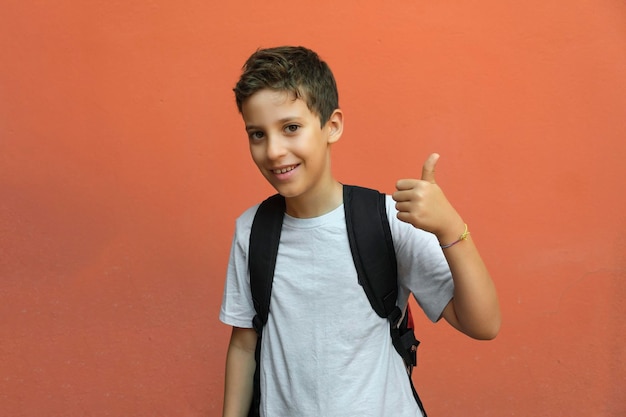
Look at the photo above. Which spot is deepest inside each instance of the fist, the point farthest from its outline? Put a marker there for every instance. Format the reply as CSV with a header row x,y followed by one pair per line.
x,y
421,202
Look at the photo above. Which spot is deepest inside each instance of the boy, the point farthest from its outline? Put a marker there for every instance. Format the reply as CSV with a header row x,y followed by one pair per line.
x,y
317,361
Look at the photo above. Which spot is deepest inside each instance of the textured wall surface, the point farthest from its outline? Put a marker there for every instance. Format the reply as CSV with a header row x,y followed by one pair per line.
x,y
124,163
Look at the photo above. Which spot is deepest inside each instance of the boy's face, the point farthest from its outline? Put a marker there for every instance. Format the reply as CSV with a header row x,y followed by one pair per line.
x,y
287,143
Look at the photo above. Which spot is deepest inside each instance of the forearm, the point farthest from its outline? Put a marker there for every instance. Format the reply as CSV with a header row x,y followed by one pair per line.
x,y
240,366
474,309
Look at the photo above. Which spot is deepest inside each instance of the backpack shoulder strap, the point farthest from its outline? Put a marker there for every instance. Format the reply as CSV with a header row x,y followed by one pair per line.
x,y
372,248
371,244
262,252
264,241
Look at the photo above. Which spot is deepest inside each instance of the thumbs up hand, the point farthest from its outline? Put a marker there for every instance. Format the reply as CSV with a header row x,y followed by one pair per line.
x,y
423,204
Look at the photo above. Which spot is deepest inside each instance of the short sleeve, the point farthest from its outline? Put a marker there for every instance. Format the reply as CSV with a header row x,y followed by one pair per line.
x,y
237,308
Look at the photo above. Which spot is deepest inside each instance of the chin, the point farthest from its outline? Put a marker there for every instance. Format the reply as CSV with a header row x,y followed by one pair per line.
x,y
287,192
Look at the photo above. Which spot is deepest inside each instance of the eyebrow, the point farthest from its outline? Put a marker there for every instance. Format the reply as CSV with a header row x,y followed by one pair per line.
x,y
280,122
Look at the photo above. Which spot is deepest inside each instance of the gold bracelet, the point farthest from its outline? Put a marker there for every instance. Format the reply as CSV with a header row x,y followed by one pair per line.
x,y
462,237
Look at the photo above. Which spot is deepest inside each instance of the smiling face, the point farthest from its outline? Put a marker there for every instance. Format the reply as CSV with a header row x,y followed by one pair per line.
x,y
291,149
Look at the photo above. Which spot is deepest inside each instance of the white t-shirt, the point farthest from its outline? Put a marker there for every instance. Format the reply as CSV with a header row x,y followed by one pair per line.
x,y
325,352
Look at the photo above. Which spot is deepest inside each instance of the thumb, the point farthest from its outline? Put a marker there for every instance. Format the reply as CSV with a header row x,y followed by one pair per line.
x,y
428,171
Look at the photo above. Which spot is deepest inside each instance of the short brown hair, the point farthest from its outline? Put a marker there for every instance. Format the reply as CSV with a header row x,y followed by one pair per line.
x,y
295,69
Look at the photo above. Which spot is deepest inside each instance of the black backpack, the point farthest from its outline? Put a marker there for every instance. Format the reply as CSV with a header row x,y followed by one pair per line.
x,y
374,258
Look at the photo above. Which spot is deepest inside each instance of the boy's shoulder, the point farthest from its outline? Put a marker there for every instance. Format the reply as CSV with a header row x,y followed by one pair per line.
x,y
248,214
243,223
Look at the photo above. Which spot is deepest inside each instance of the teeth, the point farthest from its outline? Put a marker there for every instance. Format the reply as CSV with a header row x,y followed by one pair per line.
x,y
283,170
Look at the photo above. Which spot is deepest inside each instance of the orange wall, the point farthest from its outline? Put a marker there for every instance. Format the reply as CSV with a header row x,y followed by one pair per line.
x,y
123,164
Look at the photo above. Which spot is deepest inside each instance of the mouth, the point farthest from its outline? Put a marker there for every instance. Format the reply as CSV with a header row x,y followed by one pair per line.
x,y
284,170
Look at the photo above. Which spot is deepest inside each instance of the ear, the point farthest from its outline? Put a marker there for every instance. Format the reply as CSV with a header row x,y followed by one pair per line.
x,y
335,126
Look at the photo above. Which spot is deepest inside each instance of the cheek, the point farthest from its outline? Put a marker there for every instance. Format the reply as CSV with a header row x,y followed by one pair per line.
x,y
256,153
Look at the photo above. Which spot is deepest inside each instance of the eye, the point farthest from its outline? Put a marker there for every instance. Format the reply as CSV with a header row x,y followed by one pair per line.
x,y
292,128
255,135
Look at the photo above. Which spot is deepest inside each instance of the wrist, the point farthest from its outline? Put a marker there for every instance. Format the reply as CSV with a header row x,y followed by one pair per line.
x,y
454,235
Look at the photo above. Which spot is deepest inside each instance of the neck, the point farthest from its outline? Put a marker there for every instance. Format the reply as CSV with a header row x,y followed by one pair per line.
x,y
317,202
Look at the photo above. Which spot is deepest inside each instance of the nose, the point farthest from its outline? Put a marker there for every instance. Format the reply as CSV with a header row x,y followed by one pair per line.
x,y
275,147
